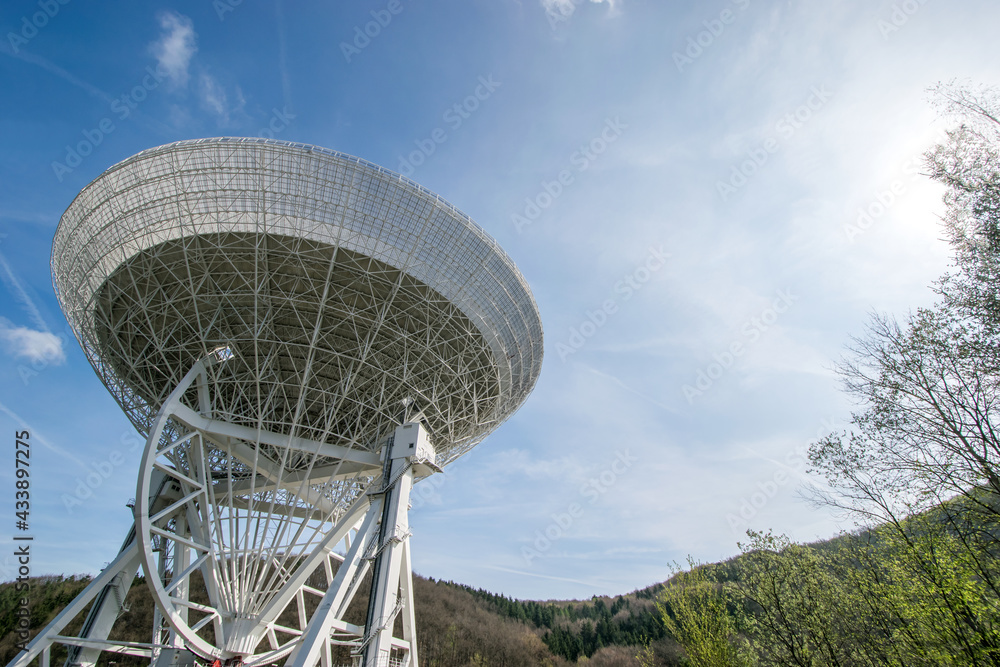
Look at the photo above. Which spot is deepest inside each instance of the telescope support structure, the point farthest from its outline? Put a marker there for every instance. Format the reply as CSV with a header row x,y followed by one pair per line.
x,y
183,520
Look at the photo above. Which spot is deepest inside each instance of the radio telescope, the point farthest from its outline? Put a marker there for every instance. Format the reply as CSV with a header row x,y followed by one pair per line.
x,y
301,335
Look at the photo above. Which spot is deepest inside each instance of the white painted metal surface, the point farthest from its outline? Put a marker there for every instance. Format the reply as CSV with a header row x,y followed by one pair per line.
x,y
301,336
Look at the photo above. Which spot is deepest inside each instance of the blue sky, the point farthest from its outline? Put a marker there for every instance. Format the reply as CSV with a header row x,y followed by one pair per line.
x,y
680,183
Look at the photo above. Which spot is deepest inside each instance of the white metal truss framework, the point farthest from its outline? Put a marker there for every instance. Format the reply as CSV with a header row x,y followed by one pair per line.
x,y
263,311
340,287
249,545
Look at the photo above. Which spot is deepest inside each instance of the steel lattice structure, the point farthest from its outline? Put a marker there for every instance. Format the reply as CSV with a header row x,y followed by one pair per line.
x,y
279,238
278,319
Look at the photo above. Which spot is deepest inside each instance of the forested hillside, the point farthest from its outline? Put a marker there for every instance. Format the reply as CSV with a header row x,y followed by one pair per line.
x,y
575,629
457,625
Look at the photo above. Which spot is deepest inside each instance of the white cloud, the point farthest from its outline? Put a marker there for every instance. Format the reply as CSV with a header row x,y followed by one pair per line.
x,y
215,99
176,46
213,95
174,52
9,279
36,346
521,463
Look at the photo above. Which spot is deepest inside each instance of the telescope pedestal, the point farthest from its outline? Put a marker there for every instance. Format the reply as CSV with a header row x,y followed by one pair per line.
x,y
196,520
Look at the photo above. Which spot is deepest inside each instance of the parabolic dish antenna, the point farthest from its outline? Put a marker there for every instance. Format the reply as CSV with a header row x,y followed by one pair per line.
x,y
300,335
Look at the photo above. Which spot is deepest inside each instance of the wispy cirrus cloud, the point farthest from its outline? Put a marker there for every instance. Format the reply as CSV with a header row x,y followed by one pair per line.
x,y
215,99
176,47
174,52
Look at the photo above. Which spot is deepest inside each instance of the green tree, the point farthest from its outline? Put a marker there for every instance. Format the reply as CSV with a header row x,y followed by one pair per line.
x,y
920,466
696,612
815,606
